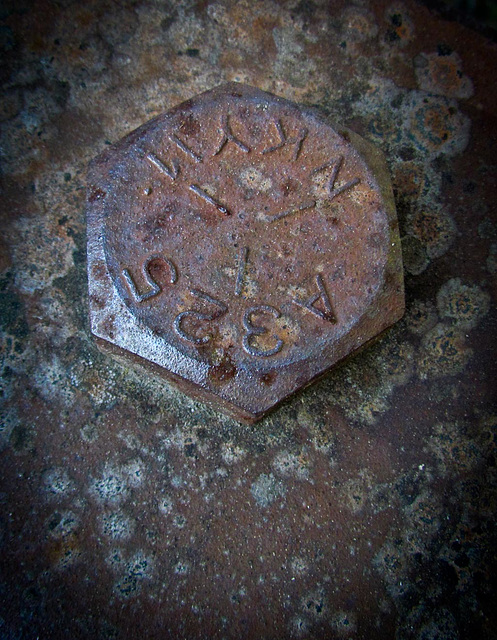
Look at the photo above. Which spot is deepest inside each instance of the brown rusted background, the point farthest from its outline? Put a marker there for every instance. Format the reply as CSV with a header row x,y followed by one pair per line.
x,y
363,508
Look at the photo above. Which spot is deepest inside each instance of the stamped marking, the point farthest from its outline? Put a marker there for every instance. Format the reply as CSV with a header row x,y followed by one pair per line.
x,y
208,298
155,288
242,265
254,330
308,204
182,145
336,166
172,173
297,140
199,315
205,196
229,136
328,313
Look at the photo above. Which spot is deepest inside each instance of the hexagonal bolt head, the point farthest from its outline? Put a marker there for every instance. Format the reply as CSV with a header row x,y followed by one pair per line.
x,y
241,245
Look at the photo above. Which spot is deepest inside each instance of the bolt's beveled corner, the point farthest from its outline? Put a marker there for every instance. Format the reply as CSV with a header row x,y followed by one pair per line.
x,y
241,246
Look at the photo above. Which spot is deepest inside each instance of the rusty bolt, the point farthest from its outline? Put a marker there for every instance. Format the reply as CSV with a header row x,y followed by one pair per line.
x,y
242,245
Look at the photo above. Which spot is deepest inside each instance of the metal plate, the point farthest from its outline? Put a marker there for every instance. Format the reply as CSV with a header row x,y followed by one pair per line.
x,y
243,245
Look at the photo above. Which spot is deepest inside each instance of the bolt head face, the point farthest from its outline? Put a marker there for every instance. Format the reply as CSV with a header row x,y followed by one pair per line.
x,y
242,246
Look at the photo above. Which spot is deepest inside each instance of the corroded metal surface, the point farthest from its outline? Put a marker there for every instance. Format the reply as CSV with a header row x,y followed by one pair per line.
x,y
242,245
363,507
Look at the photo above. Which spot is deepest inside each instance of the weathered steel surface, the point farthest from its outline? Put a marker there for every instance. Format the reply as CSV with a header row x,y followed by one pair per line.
x,y
243,245
364,507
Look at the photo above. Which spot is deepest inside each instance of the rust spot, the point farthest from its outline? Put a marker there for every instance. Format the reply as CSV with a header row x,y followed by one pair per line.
x,y
189,126
269,378
223,372
160,271
96,194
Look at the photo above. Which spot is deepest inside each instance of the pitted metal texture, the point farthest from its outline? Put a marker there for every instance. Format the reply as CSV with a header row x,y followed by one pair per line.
x,y
244,245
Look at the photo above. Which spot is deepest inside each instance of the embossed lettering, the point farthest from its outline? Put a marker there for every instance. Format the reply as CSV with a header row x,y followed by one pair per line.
x,y
182,145
308,204
309,303
170,172
297,140
199,315
155,288
205,196
254,330
336,166
229,136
